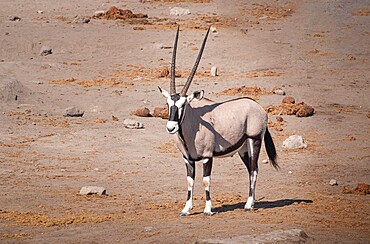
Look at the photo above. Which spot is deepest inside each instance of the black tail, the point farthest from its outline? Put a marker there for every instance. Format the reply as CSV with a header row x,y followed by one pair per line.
x,y
270,149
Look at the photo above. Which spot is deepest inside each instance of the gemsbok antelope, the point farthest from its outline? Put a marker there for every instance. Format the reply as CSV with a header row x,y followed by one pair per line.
x,y
205,129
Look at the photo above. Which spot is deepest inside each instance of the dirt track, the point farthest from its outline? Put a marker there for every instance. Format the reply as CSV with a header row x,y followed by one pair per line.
x,y
317,51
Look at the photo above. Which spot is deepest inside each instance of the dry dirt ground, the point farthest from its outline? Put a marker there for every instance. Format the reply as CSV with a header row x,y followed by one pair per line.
x,y
317,51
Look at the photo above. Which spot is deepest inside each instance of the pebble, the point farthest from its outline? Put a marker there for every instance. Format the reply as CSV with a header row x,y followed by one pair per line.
x,y
294,141
214,71
132,124
14,18
288,100
45,50
333,182
280,92
177,11
99,13
265,161
89,190
73,112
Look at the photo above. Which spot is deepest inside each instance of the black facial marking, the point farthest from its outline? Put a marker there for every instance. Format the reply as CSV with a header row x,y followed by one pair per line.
x,y
174,113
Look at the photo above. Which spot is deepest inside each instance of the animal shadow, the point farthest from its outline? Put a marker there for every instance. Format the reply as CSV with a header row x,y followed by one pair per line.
x,y
261,204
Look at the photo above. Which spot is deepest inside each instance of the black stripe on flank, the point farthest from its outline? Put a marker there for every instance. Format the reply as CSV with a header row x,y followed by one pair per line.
x,y
232,148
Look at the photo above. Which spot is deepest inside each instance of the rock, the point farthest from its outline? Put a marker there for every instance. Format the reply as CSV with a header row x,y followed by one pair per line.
x,y
278,91
132,124
45,50
279,119
142,112
265,161
99,13
82,20
14,18
294,141
214,71
177,11
90,190
73,112
115,13
160,112
288,100
213,29
278,236
114,118
333,182
12,90
40,11
305,111
164,72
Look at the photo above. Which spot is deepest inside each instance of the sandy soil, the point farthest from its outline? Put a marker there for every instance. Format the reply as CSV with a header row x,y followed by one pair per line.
x,y
317,51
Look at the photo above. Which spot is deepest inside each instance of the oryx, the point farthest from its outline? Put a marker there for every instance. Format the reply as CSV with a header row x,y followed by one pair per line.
x,y
205,129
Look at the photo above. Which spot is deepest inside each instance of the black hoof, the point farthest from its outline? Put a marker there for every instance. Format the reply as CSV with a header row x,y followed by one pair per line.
x,y
184,214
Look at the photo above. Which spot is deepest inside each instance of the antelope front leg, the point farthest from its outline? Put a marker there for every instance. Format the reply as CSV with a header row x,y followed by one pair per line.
x,y
190,169
207,168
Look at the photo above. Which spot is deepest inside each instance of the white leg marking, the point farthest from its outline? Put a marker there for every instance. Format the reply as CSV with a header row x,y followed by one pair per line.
x,y
250,202
208,208
189,203
207,184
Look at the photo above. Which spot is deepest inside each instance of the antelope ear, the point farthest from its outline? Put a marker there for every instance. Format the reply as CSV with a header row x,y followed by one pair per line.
x,y
197,95
164,92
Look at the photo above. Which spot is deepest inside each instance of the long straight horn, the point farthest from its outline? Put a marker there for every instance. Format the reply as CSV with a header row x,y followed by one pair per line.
x,y
172,82
191,76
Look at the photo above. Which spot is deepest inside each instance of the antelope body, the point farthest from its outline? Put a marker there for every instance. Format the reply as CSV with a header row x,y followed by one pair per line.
x,y
207,129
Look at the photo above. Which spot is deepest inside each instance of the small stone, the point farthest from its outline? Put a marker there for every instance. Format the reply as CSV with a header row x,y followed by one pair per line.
x,y
213,29
90,190
279,119
279,91
288,100
305,111
40,11
85,20
14,18
265,161
73,112
214,71
177,11
294,141
164,72
142,112
99,13
114,118
333,182
132,124
46,51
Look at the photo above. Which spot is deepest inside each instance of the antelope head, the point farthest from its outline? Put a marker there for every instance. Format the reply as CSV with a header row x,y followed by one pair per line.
x,y
176,101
